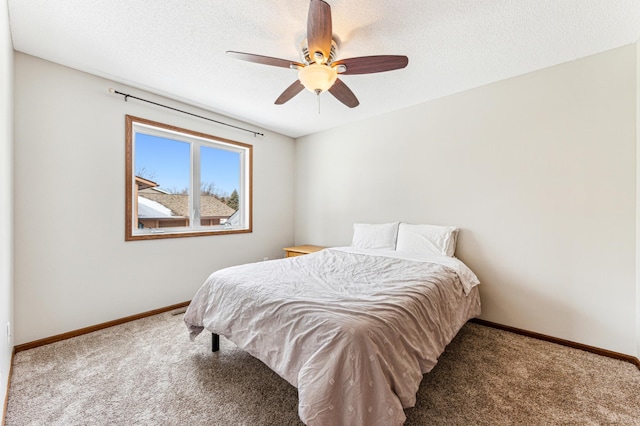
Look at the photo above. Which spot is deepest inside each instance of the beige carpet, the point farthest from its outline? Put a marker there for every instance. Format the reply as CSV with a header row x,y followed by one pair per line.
x,y
147,372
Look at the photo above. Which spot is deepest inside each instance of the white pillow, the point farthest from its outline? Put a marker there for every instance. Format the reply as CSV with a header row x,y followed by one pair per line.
x,y
427,239
375,236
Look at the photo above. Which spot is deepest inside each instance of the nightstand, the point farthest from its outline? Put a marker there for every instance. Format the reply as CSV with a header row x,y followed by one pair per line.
x,y
301,250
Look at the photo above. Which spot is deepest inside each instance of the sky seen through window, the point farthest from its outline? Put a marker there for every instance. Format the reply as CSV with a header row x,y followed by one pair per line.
x,y
166,162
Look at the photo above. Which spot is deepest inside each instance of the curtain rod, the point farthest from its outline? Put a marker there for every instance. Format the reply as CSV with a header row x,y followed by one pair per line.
x,y
126,96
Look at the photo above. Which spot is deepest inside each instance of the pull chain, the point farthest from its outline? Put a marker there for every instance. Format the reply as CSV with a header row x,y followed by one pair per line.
x,y
318,91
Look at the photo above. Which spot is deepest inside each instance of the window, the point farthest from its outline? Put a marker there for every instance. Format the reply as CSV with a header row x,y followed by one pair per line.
x,y
183,183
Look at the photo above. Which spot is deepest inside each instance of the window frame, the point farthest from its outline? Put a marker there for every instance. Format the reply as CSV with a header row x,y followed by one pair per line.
x,y
169,131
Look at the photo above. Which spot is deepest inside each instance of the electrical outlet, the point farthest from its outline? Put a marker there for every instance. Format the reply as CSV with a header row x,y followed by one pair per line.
x,y
9,333
265,259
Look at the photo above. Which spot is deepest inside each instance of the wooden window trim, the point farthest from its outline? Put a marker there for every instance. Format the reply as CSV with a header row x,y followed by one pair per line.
x,y
129,235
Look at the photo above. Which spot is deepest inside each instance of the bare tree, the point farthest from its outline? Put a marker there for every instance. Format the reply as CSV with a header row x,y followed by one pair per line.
x,y
144,173
209,188
206,188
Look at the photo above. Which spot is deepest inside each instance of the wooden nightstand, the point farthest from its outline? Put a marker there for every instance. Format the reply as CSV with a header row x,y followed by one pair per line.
x,y
301,250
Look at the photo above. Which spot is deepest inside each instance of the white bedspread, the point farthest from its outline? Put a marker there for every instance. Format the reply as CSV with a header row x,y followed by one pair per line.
x,y
354,330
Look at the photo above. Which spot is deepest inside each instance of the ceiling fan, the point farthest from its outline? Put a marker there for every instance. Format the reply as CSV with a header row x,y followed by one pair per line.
x,y
319,69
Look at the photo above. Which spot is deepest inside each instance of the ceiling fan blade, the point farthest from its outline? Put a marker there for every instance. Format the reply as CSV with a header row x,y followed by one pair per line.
x,y
344,94
319,31
290,92
372,64
265,60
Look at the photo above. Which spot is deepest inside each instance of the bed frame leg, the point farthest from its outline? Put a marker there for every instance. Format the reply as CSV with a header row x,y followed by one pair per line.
x,y
215,342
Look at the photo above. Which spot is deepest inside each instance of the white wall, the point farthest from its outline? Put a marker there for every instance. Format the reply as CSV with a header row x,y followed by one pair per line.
x,y
72,266
539,171
6,200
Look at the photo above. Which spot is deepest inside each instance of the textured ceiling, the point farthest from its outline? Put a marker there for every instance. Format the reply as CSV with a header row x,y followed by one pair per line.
x,y
176,47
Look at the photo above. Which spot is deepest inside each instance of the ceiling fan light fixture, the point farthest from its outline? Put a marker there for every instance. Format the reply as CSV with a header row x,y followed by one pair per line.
x,y
316,77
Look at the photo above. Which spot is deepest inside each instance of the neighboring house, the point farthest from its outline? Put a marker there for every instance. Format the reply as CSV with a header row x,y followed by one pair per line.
x,y
158,209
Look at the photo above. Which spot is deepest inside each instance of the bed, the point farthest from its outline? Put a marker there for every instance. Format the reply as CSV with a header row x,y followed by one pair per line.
x,y
353,329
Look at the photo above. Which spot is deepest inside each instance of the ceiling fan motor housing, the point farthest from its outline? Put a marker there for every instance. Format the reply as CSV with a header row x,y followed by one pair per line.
x,y
307,58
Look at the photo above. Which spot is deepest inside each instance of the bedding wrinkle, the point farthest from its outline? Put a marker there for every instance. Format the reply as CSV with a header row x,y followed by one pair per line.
x,y
353,329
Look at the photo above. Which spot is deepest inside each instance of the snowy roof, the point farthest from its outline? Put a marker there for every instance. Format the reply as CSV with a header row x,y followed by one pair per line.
x,y
152,209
